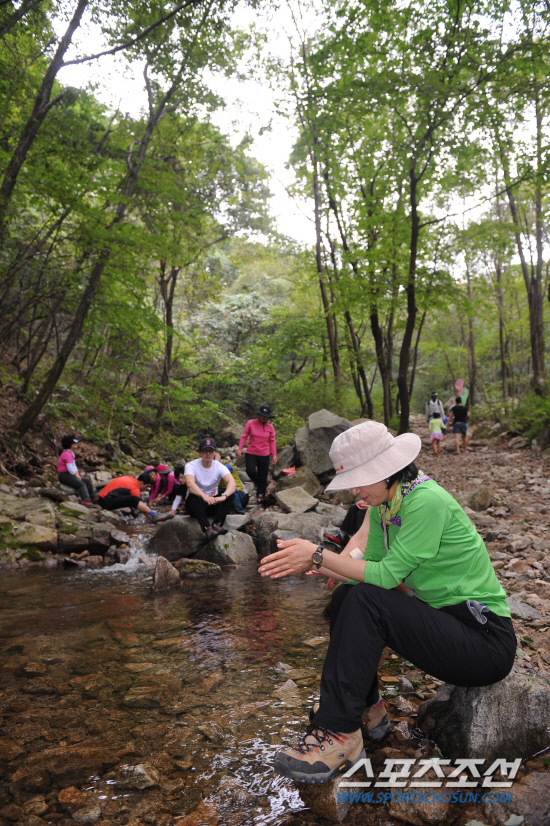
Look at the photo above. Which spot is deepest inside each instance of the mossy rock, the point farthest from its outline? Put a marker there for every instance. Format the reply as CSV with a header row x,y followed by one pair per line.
x,y
68,526
33,555
197,569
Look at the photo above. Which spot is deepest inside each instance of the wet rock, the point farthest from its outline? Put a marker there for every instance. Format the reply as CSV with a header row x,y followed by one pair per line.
x,y
213,732
165,575
237,521
71,798
122,556
480,499
325,799
303,478
314,441
530,799
205,814
118,537
35,806
180,537
9,750
142,776
87,815
12,812
25,535
469,720
65,763
93,561
197,569
285,459
231,548
521,610
295,500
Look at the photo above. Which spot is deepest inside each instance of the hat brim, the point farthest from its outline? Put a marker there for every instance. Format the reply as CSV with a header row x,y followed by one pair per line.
x,y
265,415
404,450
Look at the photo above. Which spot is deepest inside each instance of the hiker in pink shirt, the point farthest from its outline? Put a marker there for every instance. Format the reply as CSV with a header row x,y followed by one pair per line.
x,y
260,435
163,485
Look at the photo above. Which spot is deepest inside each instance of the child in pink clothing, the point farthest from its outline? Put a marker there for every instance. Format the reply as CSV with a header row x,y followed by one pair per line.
x,y
260,435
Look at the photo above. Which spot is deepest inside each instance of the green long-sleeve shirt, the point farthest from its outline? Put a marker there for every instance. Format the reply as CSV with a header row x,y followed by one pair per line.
x,y
436,551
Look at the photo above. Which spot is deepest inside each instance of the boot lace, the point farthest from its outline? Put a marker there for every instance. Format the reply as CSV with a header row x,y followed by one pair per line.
x,y
320,735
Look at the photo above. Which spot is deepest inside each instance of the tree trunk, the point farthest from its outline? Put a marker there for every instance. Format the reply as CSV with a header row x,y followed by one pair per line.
x,y
42,106
33,411
167,288
330,318
404,355
472,363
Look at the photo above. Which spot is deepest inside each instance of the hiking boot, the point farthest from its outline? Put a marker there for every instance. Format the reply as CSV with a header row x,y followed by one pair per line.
x,y
375,722
320,755
220,530
210,533
88,504
339,538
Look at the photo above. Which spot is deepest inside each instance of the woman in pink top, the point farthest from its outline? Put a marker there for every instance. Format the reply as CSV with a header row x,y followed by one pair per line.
x,y
68,474
260,434
163,485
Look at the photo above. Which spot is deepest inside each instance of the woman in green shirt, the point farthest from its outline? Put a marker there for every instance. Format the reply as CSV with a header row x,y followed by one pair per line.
x,y
420,544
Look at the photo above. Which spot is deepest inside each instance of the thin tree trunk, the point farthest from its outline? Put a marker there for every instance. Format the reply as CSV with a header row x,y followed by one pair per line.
x,y
472,362
42,106
404,355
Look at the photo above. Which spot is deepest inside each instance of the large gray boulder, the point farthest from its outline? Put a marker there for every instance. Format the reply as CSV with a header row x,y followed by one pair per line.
x,y
303,478
37,511
295,500
229,549
285,459
26,535
181,536
237,521
336,513
508,719
308,526
314,441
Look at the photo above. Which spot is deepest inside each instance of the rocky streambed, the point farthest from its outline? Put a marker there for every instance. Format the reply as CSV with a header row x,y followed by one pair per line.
x,y
121,705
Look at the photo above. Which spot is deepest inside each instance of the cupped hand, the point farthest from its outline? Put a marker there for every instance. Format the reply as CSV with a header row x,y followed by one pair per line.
x,y
293,557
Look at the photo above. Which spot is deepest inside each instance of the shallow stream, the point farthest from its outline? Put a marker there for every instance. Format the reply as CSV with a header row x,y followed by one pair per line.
x,y
100,675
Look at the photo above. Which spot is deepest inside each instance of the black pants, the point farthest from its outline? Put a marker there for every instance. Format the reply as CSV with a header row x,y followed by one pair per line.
x,y
83,487
257,468
353,520
365,618
197,507
119,498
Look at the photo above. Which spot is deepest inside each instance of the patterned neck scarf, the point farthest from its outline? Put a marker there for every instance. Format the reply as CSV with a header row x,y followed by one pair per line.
x,y
388,512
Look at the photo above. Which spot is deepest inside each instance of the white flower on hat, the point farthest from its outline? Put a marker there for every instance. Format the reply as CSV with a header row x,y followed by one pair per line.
x,y
368,453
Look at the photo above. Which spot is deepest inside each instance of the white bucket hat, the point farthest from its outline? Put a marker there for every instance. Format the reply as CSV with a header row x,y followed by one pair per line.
x,y
368,453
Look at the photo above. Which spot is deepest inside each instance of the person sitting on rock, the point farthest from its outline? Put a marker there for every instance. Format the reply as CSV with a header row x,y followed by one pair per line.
x,y
457,629
241,494
125,492
202,477
260,435
180,488
67,473
163,486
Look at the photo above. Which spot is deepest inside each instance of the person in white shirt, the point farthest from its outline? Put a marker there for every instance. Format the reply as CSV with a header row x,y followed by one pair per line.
x,y
434,405
202,477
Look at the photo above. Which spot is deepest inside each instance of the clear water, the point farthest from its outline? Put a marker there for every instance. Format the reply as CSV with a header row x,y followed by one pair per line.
x,y
100,673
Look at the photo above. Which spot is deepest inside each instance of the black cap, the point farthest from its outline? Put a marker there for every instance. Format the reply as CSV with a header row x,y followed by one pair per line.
x,y
264,410
434,393
207,443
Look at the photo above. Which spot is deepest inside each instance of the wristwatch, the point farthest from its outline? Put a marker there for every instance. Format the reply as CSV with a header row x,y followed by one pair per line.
x,y
317,557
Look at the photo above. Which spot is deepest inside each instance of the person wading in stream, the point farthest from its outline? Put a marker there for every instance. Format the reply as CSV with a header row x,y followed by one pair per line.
x,y
260,435
420,544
